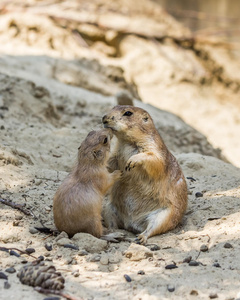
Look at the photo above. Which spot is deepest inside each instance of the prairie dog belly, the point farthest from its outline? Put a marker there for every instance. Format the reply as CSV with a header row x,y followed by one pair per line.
x,y
135,199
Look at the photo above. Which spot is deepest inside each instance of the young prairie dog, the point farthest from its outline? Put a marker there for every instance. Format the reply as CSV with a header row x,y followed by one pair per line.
x,y
77,204
151,196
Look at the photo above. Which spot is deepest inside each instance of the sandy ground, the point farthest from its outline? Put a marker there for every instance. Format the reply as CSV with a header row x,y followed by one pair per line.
x,y
58,76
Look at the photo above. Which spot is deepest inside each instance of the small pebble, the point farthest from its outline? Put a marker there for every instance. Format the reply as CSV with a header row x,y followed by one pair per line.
x,y
171,266
95,258
41,257
104,260
10,270
12,252
76,273
2,127
33,230
82,253
74,262
71,246
63,241
127,278
30,250
216,264
52,298
193,263
187,259
227,245
18,217
171,288
204,248
150,259
114,259
24,261
154,248
40,92
48,246
194,293
69,260
38,181
47,208
16,223
213,295
141,272
49,259
3,276
112,268
7,285
198,195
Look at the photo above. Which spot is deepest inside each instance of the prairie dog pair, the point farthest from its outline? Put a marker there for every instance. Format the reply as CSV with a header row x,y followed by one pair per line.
x,y
150,197
77,204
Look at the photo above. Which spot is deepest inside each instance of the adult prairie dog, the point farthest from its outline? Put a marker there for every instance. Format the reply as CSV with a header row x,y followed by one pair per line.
x,y
77,204
150,198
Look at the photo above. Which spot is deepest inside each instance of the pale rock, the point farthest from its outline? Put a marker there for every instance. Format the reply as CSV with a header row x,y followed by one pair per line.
x,y
114,259
104,260
33,230
89,243
64,241
95,258
63,234
10,238
112,268
138,252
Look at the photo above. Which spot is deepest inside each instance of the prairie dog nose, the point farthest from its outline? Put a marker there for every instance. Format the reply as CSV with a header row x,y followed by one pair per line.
x,y
104,119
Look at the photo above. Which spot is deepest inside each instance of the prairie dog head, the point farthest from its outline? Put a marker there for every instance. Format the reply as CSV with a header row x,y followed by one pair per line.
x,y
96,147
128,121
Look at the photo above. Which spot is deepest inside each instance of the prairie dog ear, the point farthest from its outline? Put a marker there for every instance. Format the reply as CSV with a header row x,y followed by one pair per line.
x,y
145,117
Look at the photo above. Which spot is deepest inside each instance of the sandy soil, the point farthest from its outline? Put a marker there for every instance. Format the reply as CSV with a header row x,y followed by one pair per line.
x,y
58,76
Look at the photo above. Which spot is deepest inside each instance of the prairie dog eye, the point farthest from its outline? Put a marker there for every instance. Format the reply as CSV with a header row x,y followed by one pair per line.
x,y
128,113
105,140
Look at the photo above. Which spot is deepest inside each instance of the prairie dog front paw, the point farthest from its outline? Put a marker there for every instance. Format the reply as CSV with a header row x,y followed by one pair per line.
x,y
133,161
116,174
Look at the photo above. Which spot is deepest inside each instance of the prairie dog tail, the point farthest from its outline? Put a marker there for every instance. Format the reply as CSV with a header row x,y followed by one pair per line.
x,y
159,221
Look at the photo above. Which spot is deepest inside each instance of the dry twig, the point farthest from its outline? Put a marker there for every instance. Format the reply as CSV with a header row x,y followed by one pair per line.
x,y
21,251
16,206
56,292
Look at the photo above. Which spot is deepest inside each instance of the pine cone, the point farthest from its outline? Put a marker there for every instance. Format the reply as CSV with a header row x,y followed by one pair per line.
x,y
41,275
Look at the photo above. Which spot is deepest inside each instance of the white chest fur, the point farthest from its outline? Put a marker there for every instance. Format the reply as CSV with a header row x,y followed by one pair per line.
x,y
125,152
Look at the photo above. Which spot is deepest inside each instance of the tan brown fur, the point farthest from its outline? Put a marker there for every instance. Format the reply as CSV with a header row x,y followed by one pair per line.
x,y
77,204
151,196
